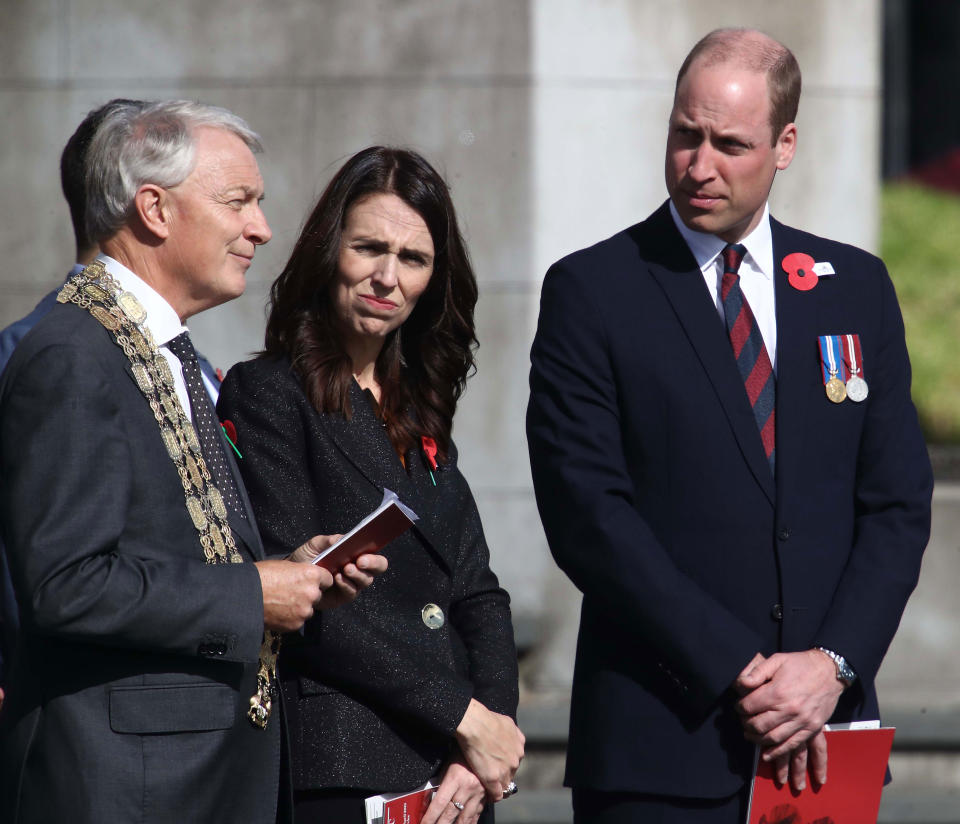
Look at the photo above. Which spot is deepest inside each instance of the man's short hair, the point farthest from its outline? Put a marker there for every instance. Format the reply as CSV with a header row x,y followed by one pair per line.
x,y
150,144
754,51
73,167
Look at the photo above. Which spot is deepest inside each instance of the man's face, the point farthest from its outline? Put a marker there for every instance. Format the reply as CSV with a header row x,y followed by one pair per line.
x,y
215,223
720,162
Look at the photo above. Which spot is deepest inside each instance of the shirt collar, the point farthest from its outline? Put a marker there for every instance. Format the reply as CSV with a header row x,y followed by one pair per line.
x,y
706,247
162,321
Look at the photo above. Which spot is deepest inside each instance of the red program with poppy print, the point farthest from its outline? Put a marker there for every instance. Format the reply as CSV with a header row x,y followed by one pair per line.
x,y
856,767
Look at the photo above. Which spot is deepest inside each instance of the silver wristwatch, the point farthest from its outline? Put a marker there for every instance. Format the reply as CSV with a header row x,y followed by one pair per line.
x,y
845,672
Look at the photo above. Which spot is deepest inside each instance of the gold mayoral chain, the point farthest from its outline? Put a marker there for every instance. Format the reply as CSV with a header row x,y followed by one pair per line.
x,y
122,315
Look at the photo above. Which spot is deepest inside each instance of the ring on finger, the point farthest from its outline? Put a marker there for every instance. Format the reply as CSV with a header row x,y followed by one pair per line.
x,y
511,789
458,804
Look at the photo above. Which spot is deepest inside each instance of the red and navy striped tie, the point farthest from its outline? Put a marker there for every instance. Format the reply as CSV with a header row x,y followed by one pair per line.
x,y
749,350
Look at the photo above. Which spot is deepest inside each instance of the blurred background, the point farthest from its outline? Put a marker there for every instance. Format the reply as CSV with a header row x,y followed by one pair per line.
x,y
548,119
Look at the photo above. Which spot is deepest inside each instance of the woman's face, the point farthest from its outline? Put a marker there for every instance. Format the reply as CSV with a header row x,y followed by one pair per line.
x,y
386,259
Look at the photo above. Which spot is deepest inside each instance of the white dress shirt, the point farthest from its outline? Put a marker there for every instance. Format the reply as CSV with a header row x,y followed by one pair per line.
x,y
162,321
756,273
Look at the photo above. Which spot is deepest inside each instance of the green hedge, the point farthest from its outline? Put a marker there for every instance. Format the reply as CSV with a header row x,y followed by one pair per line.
x,y
920,243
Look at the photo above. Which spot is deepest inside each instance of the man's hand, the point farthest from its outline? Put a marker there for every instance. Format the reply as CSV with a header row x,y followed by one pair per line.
x,y
794,765
461,785
291,592
492,746
787,698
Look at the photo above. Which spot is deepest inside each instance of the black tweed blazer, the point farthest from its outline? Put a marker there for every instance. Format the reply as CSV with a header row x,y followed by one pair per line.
x,y
373,695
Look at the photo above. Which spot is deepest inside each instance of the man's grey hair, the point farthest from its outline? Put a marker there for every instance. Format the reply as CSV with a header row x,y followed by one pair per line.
x,y
147,143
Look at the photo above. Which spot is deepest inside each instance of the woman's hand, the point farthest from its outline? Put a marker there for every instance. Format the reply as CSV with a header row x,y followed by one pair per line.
x,y
460,785
347,582
492,747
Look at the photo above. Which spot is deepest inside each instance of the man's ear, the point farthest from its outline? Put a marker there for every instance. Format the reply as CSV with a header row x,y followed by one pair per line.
x,y
786,145
151,204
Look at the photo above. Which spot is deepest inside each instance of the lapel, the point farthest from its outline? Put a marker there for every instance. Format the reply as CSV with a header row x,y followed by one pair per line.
x,y
673,266
797,322
363,441
243,530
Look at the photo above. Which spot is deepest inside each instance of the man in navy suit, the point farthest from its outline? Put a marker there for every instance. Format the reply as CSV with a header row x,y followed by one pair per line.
x,y
743,505
72,181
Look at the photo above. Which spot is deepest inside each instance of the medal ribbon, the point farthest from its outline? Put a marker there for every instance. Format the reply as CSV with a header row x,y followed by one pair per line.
x,y
853,354
830,360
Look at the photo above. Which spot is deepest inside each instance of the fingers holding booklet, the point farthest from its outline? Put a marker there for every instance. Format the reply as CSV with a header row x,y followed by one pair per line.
x,y
346,564
293,589
388,521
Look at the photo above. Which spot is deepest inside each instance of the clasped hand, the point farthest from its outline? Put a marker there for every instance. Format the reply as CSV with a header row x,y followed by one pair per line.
x,y
785,701
294,589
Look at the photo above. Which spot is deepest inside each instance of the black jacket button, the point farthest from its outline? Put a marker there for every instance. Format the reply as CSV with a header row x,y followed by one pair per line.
x,y
776,612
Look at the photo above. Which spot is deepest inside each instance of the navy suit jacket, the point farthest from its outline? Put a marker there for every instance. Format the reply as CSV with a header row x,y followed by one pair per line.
x,y
10,337
658,502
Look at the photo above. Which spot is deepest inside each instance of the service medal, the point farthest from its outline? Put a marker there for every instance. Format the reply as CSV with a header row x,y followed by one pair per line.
x,y
836,390
857,389
833,369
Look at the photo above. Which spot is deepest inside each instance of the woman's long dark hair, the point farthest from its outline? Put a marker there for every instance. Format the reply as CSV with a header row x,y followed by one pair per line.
x,y
422,370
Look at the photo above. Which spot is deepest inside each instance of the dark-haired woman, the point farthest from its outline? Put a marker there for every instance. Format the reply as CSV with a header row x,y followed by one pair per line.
x,y
368,345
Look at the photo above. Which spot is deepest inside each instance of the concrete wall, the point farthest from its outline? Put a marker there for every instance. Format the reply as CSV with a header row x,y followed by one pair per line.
x,y
547,116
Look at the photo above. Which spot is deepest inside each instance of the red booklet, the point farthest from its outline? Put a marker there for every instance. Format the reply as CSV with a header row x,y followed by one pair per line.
x,y
388,521
400,808
856,767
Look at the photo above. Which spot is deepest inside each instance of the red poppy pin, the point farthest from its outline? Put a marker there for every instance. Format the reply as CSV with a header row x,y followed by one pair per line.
x,y
430,451
800,270
231,432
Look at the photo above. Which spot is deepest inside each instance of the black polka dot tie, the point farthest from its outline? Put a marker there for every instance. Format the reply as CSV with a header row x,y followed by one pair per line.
x,y
206,423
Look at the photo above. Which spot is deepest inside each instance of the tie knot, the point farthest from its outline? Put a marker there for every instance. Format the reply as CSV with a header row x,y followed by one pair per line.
x,y
182,347
732,257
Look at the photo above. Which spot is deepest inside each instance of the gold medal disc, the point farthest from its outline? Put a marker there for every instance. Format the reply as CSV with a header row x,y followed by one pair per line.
x,y
836,390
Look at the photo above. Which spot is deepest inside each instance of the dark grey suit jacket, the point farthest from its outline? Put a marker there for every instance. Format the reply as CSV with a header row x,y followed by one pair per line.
x,y
128,700
373,695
